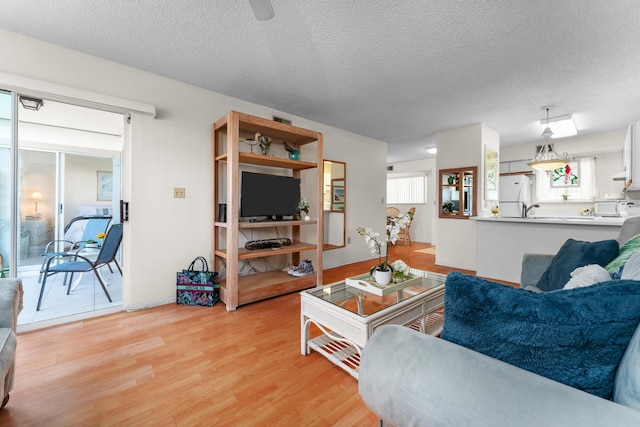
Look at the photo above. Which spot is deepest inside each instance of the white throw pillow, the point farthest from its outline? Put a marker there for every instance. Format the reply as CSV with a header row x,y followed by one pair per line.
x,y
587,276
632,267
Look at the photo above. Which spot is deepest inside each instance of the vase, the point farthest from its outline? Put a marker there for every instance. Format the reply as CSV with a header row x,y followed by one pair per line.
x,y
265,147
294,154
382,277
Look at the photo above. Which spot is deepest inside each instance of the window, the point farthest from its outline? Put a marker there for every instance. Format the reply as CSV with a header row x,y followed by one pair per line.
x,y
407,189
576,182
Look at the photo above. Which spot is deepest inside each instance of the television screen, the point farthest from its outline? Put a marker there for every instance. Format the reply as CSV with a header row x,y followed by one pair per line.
x,y
268,195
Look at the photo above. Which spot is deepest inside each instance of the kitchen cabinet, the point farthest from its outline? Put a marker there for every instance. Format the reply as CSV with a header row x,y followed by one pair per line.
x,y
631,158
515,167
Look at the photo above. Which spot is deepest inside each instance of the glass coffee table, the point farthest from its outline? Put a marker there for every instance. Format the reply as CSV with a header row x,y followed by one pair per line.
x,y
347,315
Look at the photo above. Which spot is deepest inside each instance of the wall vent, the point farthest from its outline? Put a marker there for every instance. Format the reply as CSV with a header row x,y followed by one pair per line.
x,y
281,120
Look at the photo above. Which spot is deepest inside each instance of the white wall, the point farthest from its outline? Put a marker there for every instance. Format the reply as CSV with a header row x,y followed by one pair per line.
x,y
173,150
81,185
455,239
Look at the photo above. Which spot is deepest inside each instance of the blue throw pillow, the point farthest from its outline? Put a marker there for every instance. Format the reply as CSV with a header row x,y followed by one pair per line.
x,y
574,254
576,337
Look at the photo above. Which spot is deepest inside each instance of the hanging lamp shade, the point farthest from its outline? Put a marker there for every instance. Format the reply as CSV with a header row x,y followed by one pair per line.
x,y
547,159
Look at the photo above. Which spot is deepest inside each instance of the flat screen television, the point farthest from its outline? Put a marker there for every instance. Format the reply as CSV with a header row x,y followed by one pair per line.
x,y
268,195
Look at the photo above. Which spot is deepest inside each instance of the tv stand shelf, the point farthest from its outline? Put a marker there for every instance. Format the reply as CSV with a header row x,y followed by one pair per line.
x,y
229,156
266,224
244,254
256,287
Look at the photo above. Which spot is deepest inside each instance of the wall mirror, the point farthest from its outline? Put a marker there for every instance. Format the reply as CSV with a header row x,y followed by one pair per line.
x,y
458,192
335,204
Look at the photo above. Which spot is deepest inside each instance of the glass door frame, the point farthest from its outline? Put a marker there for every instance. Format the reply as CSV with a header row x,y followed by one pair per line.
x,y
13,182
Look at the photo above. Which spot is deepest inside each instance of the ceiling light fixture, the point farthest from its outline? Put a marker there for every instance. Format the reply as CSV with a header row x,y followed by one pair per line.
x,y
547,159
562,126
31,103
262,9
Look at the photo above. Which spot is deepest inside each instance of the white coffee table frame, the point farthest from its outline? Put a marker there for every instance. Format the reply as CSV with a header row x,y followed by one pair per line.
x,y
344,333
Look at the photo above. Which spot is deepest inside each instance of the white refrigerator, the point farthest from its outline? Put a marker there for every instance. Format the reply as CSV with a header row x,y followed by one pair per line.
x,y
514,193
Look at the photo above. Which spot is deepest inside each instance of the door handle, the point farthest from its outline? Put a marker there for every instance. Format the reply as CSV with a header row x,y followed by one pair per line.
x,y
124,211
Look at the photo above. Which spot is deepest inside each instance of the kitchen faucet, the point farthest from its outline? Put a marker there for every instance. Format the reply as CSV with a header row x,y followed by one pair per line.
x,y
525,209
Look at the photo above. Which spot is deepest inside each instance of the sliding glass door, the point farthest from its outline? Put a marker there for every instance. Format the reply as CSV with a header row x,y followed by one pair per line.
x,y
6,193
59,169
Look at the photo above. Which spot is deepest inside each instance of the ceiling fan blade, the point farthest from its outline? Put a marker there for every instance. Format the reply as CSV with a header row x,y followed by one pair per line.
x,y
262,9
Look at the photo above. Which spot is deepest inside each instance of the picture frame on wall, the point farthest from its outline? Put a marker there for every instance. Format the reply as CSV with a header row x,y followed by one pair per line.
x,y
491,174
337,195
105,185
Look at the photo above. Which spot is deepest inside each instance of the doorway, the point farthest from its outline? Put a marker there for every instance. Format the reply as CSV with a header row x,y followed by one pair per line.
x,y
66,166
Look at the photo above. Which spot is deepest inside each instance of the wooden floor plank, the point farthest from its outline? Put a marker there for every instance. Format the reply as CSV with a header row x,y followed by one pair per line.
x,y
189,366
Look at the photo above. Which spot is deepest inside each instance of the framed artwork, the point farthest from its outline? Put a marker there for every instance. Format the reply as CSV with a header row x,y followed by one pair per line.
x,y
105,185
567,176
490,174
337,195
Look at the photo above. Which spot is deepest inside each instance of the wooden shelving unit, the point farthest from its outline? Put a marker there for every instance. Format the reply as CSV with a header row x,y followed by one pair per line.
x,y
228,160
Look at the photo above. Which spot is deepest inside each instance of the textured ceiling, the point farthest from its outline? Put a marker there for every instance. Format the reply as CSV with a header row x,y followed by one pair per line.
x,y
397,71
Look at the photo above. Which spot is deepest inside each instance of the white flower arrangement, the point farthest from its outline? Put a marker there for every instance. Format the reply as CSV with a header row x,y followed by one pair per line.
x,y
371,239
400,268
303,205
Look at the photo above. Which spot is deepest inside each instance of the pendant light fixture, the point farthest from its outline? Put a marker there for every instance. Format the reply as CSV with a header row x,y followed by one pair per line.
x,y
547,159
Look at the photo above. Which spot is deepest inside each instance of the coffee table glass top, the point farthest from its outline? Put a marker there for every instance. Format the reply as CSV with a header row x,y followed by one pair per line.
x,y
364,303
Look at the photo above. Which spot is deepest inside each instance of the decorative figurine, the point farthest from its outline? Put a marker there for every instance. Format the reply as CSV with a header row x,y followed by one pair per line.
x,y
294,153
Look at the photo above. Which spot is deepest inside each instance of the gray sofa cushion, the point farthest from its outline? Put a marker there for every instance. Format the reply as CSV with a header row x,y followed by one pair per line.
x,y
576,337
412,379
8,345
627,386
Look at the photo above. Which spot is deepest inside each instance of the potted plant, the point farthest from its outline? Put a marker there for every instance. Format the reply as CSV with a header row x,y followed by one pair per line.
x,y
382,271
303,206
447,206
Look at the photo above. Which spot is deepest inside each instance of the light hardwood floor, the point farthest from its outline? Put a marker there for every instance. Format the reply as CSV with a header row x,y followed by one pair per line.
x,y
189,366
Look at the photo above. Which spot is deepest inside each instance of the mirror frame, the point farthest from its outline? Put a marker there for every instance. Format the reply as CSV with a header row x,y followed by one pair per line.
x,y
334,189
460,186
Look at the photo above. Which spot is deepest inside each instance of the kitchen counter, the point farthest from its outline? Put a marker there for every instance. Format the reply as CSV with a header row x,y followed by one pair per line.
x,y
540,219
502,242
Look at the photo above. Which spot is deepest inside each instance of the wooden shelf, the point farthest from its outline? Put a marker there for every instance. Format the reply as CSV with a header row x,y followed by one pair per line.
x,y
263,224
266,224
228,158
278,132
273,161
244,254
256,287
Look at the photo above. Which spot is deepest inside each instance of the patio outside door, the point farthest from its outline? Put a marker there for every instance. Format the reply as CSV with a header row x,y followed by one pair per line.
x,y
67,166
